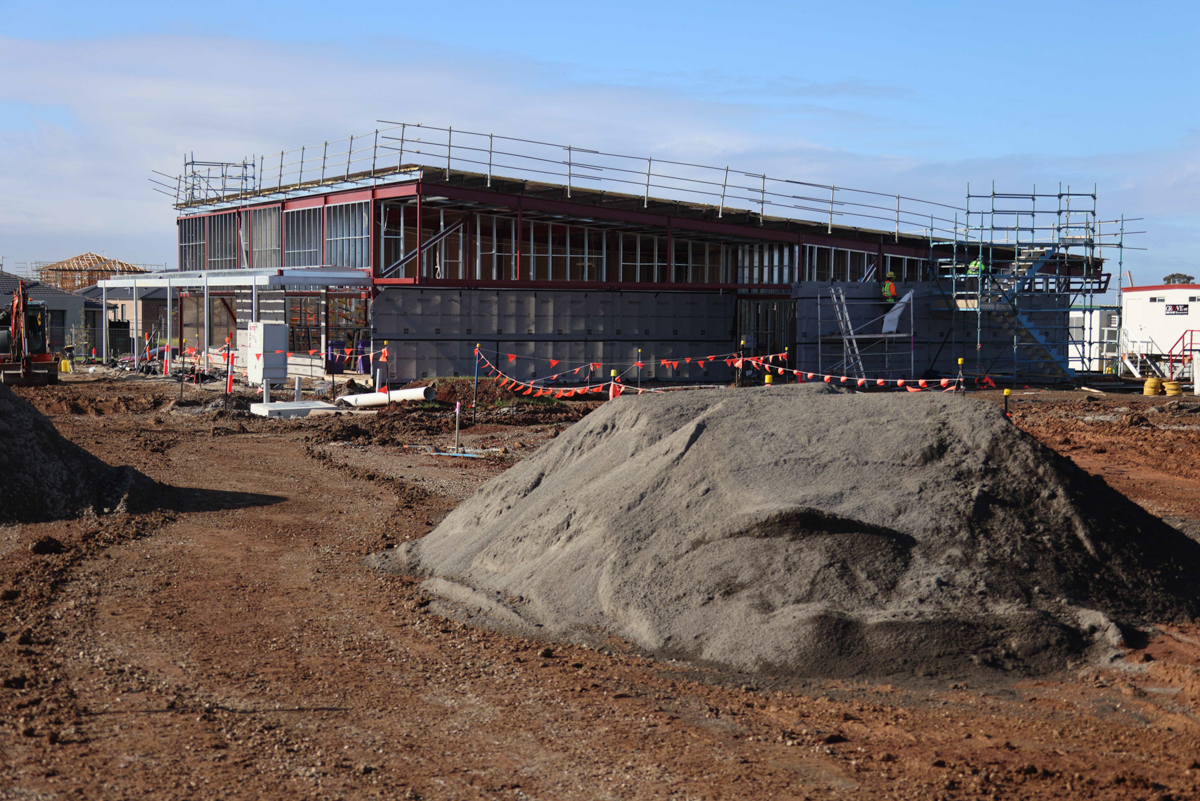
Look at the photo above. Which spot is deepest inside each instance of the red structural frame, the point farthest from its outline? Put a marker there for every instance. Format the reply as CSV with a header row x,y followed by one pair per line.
x,y
567,209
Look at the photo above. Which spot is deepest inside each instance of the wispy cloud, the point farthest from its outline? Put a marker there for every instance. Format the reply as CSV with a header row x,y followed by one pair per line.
x,y
82,125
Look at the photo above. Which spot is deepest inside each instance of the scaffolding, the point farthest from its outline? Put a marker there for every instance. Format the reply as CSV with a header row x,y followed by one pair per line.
x,y
1022,263
869,350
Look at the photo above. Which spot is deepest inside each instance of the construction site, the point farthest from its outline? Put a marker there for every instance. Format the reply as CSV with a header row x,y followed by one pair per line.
x,y
452,465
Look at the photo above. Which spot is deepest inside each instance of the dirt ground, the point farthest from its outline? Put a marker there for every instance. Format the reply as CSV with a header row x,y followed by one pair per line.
x,y
231,645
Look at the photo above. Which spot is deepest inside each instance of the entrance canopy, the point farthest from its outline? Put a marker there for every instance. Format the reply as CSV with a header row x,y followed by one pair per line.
x,y
274,279
301,278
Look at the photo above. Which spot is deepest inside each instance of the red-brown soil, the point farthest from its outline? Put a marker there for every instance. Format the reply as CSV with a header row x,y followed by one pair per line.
x,y
231,645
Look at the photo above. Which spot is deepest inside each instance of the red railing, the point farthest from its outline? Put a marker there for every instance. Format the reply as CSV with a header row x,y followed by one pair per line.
x,y
1184,349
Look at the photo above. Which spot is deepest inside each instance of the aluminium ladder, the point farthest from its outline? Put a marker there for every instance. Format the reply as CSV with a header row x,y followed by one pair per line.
x,y
852,358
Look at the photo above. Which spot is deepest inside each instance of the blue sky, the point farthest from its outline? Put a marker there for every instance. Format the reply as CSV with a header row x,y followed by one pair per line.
x,y
919,98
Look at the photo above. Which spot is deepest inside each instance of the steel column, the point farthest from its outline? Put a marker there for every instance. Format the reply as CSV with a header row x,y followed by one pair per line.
x,y
136,338
104,323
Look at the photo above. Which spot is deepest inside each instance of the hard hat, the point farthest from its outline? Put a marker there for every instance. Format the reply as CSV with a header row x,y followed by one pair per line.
x,y
891,275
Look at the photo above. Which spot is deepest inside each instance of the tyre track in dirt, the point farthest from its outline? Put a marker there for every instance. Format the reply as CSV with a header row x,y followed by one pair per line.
x,y
244,653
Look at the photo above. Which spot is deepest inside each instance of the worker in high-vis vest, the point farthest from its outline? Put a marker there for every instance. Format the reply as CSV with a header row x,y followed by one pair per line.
x,y
975,268
889,289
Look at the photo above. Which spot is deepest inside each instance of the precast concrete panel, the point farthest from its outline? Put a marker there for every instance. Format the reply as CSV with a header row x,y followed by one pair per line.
x,y
446,355
577,311
485,313
450,322
599,311
543,315
631,316
404,366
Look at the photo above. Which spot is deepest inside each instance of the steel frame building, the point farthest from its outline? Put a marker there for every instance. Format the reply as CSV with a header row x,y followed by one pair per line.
x,y
552,252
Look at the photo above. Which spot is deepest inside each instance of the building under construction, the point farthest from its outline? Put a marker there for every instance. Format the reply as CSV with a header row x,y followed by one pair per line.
x,y
434,240
85,270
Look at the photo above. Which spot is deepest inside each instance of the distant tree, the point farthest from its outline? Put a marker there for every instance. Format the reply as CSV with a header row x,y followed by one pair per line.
x,y
1179,278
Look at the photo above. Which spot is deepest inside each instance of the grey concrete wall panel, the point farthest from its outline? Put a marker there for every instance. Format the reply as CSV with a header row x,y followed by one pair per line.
x,y
681,324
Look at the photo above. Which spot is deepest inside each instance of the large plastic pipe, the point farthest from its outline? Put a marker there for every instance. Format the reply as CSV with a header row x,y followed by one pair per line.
x,y
383,398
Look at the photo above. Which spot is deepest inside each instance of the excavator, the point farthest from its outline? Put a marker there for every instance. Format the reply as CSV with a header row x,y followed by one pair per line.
x,y
25,357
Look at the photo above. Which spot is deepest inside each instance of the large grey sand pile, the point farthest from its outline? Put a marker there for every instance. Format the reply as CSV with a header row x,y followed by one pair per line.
x,y
809,532
46,477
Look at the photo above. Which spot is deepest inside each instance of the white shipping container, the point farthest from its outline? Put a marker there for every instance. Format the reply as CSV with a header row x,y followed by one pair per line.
x,y
1155,317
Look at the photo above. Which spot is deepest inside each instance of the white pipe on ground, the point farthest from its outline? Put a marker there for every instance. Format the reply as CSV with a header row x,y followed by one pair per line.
x,y
382,398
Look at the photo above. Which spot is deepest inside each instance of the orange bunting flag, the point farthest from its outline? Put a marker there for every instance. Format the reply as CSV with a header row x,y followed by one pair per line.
x,y
558,394
639,365
570,393
900,382
844,379
576,370
880,382
279,351
945,382
512,357
553,362
729,362
712,358
688,360
828,378
289,354
311,352
780,369
528,391
664,362
674,365
553,377
922,383
810,376
738,363
862,382
596,365
913,389
540,393
347,350
598,389
258,355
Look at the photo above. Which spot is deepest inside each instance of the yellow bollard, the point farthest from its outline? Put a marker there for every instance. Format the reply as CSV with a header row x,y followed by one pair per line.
x,y
768,379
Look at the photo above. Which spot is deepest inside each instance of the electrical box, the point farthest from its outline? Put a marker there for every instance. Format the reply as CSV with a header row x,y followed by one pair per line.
x,y
267,359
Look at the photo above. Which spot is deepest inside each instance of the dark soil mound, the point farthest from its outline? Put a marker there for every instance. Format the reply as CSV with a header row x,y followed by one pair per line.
x,y
805,531
45,477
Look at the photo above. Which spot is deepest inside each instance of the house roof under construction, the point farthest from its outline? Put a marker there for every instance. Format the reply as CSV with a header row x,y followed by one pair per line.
x,y
84,270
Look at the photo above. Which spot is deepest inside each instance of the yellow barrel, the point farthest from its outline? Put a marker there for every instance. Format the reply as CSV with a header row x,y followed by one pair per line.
x,y
1153,386
1172,387
767,379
